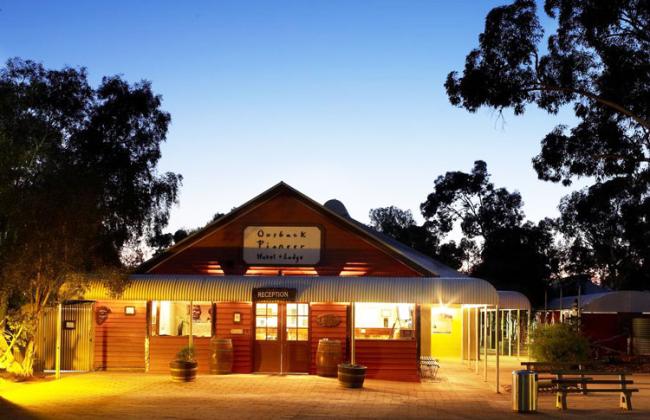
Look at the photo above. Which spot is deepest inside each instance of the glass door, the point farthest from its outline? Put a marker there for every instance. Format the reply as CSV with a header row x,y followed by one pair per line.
x,y
268,346
296,346
282,337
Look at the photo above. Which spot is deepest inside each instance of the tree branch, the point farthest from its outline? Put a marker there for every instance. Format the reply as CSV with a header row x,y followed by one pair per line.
x,y
616,107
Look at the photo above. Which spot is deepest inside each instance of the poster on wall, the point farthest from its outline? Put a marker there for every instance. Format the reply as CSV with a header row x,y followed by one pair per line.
x,y
282,245
441,323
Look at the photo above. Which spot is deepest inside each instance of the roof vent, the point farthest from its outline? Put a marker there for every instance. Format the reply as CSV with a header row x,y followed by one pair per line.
x,y
337,207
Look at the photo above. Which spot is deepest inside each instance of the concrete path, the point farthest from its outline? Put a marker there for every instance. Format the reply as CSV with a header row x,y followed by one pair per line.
x,y
458,393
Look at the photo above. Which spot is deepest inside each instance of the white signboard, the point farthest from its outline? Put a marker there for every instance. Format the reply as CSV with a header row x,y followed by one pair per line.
x,y
282,245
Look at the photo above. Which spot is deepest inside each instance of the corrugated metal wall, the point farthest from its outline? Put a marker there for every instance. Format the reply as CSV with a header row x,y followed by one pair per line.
x,y
76,342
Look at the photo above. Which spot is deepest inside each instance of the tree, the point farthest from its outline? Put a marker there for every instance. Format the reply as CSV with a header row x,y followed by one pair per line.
x,y
596,60
78,182
499,247
522,258
400,225
160,241
472,200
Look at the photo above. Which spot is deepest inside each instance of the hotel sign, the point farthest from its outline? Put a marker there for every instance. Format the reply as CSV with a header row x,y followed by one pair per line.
x,y
274,294
282,245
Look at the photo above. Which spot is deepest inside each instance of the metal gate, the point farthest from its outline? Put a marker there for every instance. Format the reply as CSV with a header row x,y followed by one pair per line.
x,y
76,337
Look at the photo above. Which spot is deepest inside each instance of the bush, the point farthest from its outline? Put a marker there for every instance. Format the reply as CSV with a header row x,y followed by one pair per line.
x,y
186,354
559,343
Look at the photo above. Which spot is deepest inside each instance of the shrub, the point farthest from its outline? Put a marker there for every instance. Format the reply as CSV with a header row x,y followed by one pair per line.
x,y
186,354
559,343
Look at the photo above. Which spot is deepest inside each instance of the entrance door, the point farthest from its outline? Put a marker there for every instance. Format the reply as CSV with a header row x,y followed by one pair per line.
x,y
282,337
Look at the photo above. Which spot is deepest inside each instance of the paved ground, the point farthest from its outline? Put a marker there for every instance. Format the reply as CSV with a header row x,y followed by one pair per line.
x,y
459,393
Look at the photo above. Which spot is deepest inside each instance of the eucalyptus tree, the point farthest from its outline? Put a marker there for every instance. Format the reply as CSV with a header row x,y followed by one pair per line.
x,y
78,182
597,60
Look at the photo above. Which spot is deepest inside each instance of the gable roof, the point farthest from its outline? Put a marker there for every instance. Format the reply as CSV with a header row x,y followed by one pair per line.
x,y
421,263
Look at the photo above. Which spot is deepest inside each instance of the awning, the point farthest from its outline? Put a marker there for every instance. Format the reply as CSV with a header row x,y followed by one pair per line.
x,y
448,291
509,299
613,302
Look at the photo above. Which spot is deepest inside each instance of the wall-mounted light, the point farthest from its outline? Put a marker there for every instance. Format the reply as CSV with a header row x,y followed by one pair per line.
x,y
129,310
69,325
236,317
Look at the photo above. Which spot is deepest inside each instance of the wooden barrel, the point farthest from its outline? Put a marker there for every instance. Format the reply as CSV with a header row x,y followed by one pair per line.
x,y
183,371
328,356
221,356
351,376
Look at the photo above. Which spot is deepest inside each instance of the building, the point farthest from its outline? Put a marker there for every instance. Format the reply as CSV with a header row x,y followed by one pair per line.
x,y
276,275
608,319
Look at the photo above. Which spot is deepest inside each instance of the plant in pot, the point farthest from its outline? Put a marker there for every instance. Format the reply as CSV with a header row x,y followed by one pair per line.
x,y
183,369
351,375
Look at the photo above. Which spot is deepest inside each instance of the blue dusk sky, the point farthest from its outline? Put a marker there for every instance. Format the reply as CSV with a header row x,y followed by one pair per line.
x,y
340,99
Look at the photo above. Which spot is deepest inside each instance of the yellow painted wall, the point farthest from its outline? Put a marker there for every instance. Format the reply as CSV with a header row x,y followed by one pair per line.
x,y
448,345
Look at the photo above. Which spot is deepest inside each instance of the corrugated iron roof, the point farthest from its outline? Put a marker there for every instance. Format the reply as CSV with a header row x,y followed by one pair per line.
x,y
465,290
616,301
509,299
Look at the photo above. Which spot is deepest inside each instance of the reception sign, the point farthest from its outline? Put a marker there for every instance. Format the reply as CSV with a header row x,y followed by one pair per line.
x,y
282,245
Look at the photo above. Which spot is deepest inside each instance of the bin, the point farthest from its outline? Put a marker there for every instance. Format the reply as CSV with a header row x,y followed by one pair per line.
x,y
524,391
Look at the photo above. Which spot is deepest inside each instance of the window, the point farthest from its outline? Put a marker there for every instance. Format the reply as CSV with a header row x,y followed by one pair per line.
x,y
384,321
171,318
297,321
266,321
442,320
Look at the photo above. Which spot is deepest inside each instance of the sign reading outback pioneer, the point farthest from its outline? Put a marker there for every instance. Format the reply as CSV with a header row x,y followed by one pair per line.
x,y
282,245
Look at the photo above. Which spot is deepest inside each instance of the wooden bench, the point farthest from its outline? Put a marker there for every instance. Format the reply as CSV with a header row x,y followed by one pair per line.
x,y
575,381
546,382
429,367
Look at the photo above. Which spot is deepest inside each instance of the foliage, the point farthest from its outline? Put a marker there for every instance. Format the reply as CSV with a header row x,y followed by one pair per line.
x,y
558,343
400,225
497,245
78,182
186,354
472,200
522,258
160,241
596,60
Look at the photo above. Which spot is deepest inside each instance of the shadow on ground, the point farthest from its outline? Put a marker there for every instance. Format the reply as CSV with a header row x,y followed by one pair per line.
x,y
9,410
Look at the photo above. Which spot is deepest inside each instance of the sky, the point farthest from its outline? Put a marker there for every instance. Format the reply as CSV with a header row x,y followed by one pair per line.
x,y
339,99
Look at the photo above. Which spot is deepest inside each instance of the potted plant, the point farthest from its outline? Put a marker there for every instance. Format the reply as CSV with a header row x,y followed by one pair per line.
x,y
351,375
183,369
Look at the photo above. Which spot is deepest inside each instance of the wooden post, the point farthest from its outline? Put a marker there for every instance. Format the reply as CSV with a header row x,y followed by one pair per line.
x,y
469,338
497,347
147,337
477,336
485,343
353,356
191,339
518,333
59,321
462,332
509,332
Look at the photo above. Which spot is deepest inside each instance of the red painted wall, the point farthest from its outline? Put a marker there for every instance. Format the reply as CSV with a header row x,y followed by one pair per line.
x,y
119,341
163,349
223,247
242,343
389,359
333,333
